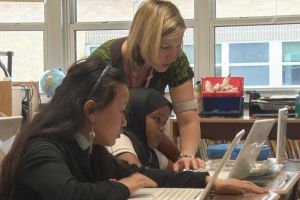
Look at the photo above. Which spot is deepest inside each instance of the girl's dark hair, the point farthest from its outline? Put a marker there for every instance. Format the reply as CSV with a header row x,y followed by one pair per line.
x,y
64,114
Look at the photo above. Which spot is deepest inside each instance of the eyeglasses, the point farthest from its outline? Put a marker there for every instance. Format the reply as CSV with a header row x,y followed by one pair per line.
x,y
99,80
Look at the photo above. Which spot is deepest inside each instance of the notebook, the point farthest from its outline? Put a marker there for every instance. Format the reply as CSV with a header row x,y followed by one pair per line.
x,y
186,193
245,162
281,135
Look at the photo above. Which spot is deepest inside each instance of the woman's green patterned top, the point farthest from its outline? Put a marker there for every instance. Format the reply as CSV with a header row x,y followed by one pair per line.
x,y
178,73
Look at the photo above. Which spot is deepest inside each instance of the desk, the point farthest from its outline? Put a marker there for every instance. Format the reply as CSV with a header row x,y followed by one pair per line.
x,y
294,166
268,196
284,184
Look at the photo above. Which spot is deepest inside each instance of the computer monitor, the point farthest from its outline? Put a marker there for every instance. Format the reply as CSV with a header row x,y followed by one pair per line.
x,y
253,144
281,135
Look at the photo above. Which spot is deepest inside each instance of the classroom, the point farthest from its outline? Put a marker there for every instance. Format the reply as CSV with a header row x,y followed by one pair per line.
x,y
207,69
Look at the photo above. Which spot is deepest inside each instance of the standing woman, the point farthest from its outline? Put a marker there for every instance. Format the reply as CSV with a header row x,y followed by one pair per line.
x,y
151,56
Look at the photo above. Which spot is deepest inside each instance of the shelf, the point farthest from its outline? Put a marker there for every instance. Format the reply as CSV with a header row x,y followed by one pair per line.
x,y
216,128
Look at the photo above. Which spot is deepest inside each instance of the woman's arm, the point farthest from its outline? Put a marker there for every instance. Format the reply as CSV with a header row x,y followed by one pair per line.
x,y
188,121
188,124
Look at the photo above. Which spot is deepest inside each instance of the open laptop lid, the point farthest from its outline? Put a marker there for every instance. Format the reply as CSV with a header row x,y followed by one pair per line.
x,y
225,158
252,146
281,135
9,126
145,193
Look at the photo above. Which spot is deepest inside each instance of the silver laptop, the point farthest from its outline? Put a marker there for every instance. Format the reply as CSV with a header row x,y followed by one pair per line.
x,y
186,193
9,126
281,135
246,159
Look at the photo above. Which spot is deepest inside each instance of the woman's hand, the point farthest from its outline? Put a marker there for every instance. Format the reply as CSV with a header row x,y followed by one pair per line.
x,y
188,163
136,181
235,186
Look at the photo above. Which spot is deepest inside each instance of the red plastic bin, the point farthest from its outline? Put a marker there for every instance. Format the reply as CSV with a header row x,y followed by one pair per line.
x,y
237,82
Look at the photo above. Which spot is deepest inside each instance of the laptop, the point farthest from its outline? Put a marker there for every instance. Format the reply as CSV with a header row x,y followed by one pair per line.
x,y
9,126
281,135
186,193
245,162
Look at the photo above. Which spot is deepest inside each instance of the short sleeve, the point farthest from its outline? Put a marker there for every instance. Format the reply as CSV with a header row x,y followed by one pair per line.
x,y
180,71
122,145
103,52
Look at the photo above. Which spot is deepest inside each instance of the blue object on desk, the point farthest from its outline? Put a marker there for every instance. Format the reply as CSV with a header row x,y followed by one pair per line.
x,y
217,151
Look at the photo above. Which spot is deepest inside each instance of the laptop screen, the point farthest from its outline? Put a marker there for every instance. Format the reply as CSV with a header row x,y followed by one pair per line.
x,y
253,144
281,134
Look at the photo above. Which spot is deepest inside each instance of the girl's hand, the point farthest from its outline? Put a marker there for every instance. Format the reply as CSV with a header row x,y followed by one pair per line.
x,y
235,186
136,181
188,163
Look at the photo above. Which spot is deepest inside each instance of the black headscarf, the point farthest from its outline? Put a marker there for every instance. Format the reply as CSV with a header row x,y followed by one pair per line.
x,y
142,101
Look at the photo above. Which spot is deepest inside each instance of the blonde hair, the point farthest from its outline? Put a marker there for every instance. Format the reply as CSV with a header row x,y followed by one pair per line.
x,y
154,20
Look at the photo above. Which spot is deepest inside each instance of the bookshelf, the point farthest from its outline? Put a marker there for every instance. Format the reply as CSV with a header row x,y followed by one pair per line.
x,y
225,128
222,130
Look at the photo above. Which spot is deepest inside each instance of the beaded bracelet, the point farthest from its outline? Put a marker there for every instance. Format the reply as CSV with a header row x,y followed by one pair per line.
x,y
183,155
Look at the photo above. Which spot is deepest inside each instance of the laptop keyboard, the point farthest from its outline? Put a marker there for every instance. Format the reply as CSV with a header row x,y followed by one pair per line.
x,y
176,193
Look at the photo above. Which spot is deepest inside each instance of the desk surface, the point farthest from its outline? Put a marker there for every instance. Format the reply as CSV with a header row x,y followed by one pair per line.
x,y
283,183
268,196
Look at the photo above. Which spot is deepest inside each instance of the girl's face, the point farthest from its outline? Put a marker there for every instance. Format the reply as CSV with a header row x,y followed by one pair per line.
x,y
169,50
110,121
155,125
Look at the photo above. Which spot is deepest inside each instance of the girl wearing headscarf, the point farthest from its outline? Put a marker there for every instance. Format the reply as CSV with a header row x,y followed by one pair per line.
x,y
147,113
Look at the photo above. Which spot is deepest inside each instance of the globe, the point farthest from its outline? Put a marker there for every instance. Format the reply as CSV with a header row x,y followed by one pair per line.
x,y
50,80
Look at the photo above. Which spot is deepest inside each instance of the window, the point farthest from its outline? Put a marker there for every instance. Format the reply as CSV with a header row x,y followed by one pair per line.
x,y
23,34
254,8
268,56
26,11
250,60
121,10
188,46
291,63
28,53
218,60
88,41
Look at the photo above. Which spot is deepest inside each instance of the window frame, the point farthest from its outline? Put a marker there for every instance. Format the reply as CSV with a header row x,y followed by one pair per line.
x,y
245,21
53,34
